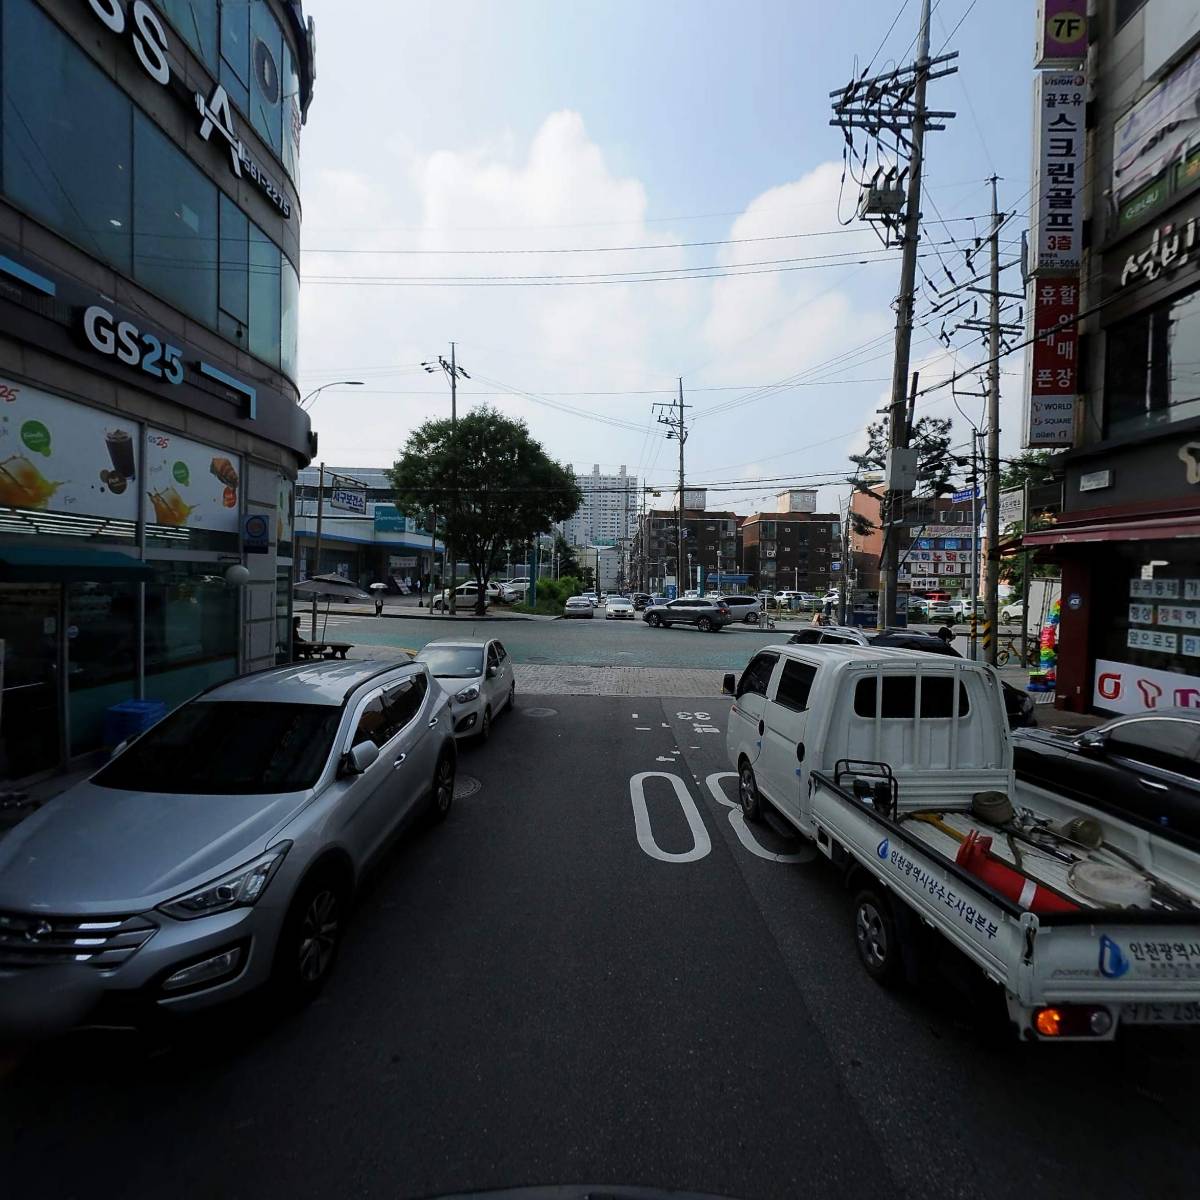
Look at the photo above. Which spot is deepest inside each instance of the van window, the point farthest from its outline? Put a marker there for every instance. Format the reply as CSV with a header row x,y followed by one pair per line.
x,y
795,682
757,675
900,693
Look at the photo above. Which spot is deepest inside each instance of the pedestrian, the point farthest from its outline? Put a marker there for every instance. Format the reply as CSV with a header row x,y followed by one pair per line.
x,y
946,634
378,603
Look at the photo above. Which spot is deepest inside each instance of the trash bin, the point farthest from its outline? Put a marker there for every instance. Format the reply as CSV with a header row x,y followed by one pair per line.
x,y
129,718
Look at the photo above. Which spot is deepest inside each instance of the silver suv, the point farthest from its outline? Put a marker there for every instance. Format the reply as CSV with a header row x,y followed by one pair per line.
x,y
705,614
221,849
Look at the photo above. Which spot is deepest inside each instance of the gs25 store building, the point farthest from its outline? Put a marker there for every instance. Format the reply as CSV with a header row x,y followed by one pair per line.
x,y
150,433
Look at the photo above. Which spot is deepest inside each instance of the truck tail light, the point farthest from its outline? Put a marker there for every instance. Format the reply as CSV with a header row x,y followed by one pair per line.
x,y
1072,1020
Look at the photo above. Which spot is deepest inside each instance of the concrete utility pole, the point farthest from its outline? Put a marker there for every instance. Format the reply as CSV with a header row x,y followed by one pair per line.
x,y
452,371
888,107
992,492
317,552
677,428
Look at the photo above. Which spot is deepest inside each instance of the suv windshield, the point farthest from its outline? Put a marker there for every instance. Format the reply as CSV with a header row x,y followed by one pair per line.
x,y
223,748
452,662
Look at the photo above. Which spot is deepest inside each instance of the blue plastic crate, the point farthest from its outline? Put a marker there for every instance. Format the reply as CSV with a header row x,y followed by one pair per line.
x,y
131,717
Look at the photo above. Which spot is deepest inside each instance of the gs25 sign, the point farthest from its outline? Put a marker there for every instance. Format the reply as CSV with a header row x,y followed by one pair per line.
x,y
136,348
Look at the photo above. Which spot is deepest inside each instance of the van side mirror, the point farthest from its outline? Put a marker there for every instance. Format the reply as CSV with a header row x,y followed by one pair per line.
x,y
359,758
729,684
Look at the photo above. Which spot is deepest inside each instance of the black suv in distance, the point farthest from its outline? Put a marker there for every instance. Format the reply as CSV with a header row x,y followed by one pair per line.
x,y
640,600
706,615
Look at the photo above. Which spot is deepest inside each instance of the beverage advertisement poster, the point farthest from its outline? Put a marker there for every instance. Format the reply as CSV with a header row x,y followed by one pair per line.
x,y
190,484
63,457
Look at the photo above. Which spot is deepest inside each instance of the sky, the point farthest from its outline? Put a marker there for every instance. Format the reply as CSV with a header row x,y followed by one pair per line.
x,y
455,148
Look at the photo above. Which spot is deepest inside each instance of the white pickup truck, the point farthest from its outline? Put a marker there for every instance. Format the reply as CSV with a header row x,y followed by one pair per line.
x,y
898,766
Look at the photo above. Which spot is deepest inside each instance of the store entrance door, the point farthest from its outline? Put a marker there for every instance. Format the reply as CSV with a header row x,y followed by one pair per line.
x,y
31,674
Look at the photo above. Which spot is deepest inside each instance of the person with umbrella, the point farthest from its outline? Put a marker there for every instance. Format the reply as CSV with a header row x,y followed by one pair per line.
x,y
377,590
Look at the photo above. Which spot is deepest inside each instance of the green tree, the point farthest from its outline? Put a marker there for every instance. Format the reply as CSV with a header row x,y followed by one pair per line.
x,y
492,482
936,466
568,561
1030,467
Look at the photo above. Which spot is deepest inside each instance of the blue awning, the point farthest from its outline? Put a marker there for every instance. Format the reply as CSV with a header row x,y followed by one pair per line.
x,y
67,564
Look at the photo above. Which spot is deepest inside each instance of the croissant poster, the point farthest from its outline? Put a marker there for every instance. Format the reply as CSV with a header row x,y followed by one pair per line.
x,y
190,484
62,457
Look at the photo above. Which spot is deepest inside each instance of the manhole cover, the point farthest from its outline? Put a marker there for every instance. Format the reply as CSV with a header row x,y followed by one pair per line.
x,y
465,785
539,712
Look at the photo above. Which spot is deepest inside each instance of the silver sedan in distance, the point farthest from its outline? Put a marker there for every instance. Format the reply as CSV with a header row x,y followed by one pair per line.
x,y
220,851
478,678
578,606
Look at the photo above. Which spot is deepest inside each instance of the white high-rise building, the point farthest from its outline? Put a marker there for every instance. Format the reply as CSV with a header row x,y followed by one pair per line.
x,y
608,512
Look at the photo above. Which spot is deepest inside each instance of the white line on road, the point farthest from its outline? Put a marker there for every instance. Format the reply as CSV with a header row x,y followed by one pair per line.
x,y
641,819
738,821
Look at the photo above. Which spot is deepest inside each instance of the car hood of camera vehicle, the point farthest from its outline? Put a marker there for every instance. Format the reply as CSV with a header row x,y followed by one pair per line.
x,y
100,850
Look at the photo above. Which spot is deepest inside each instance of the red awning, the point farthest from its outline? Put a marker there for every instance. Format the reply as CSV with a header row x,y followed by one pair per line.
x,y
1159,529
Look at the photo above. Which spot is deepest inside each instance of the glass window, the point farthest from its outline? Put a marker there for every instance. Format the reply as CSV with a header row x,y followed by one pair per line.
x,y
264,296
239,93
66,136
234,295
175,225
191,617
899,697
290,119
102,649
222,748
235,37
1152,370
266,84
403,702
289,321
1159,742
757,675
456,662
795,683
196,22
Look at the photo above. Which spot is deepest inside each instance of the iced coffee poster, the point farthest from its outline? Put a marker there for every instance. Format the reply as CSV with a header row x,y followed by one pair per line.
x,y
63,457
190,484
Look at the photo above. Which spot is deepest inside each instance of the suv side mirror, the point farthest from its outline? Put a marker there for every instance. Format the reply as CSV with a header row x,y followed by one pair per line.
x,y
359,758
729,684
1092,741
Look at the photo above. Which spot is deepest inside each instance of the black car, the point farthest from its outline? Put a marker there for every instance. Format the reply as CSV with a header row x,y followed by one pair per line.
x,y
640,600
1145,767
1018,705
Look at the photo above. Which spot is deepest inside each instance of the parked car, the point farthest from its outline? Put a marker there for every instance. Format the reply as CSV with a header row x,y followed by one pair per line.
x,y
578,606
640,600
1012,612
1018,705
478,677
592,598
465,594
220,850
962,609
658,600
1144,767
744,608
940,610
706,614
618,608
918,609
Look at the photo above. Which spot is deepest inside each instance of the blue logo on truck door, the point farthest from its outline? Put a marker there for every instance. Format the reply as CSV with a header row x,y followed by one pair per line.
x,y
882,849
1113,963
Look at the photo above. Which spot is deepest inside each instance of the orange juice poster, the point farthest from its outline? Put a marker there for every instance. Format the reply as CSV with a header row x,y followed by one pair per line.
x,y
63,457
190,484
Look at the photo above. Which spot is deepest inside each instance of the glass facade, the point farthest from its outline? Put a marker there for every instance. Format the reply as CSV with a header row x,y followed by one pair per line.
x,y
79,156
196,22
1152,369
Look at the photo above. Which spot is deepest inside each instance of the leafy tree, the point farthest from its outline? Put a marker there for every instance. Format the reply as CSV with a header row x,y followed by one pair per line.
x,y
936,466
568,561
492,481
1032,467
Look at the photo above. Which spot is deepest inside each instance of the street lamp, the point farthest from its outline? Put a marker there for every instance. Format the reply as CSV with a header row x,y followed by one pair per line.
x,y
338,383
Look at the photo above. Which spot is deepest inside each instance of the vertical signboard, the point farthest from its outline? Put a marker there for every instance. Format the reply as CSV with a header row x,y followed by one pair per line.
x,y
1061,33
1051,363
1059,100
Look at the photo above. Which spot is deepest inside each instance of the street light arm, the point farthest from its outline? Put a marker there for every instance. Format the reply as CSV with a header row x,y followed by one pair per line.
x,y
337,383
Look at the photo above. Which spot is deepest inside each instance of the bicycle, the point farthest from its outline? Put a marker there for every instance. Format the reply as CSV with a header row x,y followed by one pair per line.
x,y
1010,650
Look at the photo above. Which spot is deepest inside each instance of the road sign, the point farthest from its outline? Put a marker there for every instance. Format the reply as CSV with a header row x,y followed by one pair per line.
x,y
670,591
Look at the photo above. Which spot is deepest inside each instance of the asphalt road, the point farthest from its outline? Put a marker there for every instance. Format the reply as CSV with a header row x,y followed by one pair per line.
x,y
532,994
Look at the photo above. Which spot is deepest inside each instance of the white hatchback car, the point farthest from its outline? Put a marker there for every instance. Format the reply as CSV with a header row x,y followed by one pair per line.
x,y
478,677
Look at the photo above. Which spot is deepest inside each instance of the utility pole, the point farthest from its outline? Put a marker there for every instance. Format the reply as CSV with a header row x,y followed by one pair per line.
x,y
889,107
677,428
317,555
975,435
452,371
992,491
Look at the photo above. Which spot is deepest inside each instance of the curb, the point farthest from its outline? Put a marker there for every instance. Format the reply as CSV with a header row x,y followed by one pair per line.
x,y
423,614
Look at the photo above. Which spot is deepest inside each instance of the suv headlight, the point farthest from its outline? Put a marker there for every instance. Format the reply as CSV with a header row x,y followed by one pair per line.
x,y
240,888
467,694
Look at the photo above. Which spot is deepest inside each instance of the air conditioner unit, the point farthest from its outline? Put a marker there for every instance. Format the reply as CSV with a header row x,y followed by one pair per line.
x,y
770,553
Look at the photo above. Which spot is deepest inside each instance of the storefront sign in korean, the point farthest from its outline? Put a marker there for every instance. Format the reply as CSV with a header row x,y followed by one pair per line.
x,y
1161,589
1152,639
1061,33
1051,366
1058,147
1169,248
1161,128
191,484
59,456
348,498
1123,688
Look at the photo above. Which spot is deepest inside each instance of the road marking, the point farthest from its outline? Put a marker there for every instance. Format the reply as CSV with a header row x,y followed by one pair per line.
x,y
737,819
634,716
664,758
696,716
644,728
641,819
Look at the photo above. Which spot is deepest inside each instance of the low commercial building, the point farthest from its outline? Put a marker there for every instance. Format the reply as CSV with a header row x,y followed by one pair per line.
x,y
710,542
